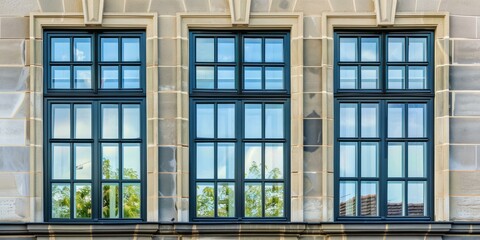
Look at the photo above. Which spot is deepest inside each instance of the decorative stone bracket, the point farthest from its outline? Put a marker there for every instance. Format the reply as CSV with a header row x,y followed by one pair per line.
x,y
240,11
93,12
386,10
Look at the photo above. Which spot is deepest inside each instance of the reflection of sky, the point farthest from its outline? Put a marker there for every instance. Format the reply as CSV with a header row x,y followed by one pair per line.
x,y
110,152
83,77
416,191
226,77
205,120
131,121
369,159
253,49
347,191
417,50
273,50
253,153
348,159
61,121
396,49
416,120
348,123
83,163
61,161
205,157
61,49
395,120
348,49
131,157
226,121
274,78
253,120
204,49
226,160
417,77
416,159
226,49
109,49
110,121
369,49
274,120
395,159
369,120
273,159
395,192
131,49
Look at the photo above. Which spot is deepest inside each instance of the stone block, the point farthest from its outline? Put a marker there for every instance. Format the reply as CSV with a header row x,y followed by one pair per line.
x,y
73,5
312,209
343,5
260,5
197,5
219,6
167,7
18,7
313,131
312,27
406,5
364,6
12,132
51,5
463,157
312,159
312,184
167,78
464,77
167,52
137,5
14,79
428,6
14,184
463,27
114,6
312,105
167,105
312,52
167,132
167,27
466,104
14,105
167,211
314,7
460,7
464,130
167,184
14,159
312,79
14,209
12,52
14,27
167,158
282,5
461,183
465,208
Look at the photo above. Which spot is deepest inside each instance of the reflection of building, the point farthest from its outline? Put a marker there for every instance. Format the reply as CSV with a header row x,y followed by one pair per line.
x,y
368,207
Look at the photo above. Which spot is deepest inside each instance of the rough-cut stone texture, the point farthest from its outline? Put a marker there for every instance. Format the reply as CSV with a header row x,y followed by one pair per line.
x,y
51,5
464,208
14,27
219,6
167,7
137,5
114,6
312,27
312,79
14,79
342,5
197,5
312,184
12,52
167,105
312,132
167,27
466,104
18,210
14,184
12,132
167,184
18,7
168,210
312,159
466,51
463,157
463,27
282,5
464,130
73,5
406,5
364,6
427,5
167,159
14,159
167,132
312,209
312,52
313,7
167,49
312,105
464,78
460,7
461,183
13,105
260,5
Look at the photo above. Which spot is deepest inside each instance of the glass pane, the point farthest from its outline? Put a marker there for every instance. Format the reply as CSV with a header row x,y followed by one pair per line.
x,y
396,49
60,49
253,160
348,77
205,160
226,161
417,49
369,78
396,159
61,160
226,121
226,199
60,77
131,160
109,77
417,77
110,195
274,200
396,125
253,200
369,159
348,199
396,77
83,49
61,200
109,49
369,47
82,76
369,121
417,193
369,199
130,49
417,156
83,160
348,120
131,200
205,49
131,121
417,122
348,49
205,121
61,120
110,161
131,77
395,195
83,200
205,200
348,159
253,121
109,121
253,49
226,50
273,50
253,78
274,160
274,120
226,77
205,77
274,78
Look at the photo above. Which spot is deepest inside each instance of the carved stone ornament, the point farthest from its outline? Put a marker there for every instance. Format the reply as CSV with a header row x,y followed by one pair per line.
x,y
93,12
240,11
386,10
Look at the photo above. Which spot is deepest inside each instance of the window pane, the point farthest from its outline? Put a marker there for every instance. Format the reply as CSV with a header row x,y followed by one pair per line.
x,y
396,125
396,159
253,49
348,120
395,205
273,50
83,160
83,200
226,199
253,121
82,77
61,120
348,199
131,77
131,121
226,77
369,49
109,77
417,77
130,49
226,121
109,49
396,77
205,160
110,195
226,50
417,49
205,121
253,200
83,49
417,122
131,160
253,78
369,77
369,199
110,161
205,77
205,49
274,78
61,160
396,49
205,200
60,77
348,77
274,120
226,161
348,49
253,160
60,49
131,200
369,121
109,121
274,200
369,159
417,156
416,199
61,200
348,159
274,160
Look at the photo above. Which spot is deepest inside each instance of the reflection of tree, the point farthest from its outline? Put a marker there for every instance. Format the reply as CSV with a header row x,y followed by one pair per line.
x,y
83,202
205,202
61,201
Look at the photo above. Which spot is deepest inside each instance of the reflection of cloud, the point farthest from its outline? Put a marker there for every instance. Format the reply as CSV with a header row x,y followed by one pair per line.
x,y
348,123
253,159
80,55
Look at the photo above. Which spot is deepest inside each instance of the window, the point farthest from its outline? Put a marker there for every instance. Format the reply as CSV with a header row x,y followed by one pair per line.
x,y
239,125
94,118
383,125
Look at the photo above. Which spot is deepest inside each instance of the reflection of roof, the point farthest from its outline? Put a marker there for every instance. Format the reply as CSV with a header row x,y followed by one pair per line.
x,y
368,207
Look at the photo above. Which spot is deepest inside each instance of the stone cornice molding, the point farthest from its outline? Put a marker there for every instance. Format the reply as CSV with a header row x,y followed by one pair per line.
x,y
240,12
385,10
93,12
